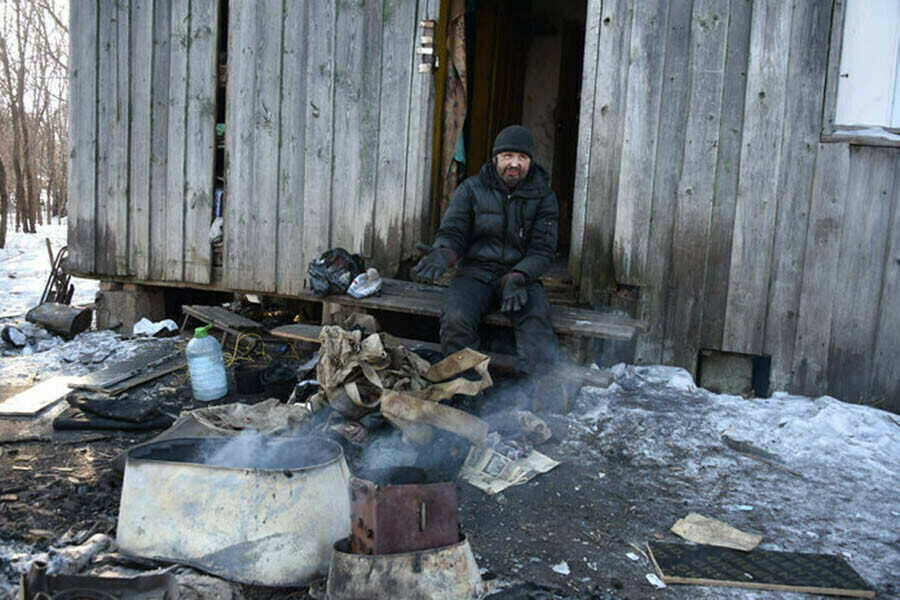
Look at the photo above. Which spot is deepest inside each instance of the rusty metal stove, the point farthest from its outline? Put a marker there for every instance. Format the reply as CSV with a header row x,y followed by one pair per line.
x,y
395,510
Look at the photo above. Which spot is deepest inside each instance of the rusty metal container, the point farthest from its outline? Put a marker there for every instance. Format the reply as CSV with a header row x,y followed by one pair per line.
x,y
445,573
267,515
394,510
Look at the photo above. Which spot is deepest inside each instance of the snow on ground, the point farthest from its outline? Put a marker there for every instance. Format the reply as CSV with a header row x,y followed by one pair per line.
x,y
835,490
25,267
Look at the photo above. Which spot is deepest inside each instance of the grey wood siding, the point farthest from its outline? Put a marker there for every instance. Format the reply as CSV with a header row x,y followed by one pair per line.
x,y
703,182
141,150
328,137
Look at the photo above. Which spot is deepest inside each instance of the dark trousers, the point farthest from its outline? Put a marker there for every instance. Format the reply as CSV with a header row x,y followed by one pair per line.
x,y
467,300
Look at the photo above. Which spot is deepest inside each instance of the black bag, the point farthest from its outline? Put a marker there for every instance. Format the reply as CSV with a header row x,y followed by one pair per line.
x,y
333,272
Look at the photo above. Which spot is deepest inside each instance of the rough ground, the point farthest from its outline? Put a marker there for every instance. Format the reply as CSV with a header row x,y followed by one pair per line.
x,y
635,458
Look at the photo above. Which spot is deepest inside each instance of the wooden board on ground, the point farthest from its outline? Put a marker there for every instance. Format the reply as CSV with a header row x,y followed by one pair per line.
x,y
500,363
759,569
221,318
37,398
422,299
147,365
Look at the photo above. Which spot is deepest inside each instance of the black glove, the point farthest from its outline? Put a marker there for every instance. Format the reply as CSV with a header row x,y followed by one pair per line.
x,y
515,294
432,265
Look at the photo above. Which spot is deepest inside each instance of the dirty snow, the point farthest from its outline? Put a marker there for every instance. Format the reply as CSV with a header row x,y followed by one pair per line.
x,y
25,267
841,461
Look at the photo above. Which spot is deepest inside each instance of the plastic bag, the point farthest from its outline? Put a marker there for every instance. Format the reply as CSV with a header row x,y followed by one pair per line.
x,y
332,272
365,284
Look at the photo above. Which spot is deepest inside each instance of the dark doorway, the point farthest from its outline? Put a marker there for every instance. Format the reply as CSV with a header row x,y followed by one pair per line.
x,y
524,61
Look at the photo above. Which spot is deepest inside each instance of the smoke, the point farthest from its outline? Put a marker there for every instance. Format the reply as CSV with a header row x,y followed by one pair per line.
x,y
252,450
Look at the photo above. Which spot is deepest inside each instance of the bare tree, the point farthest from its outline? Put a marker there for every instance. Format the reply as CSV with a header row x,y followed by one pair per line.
x,y
33,82
4,201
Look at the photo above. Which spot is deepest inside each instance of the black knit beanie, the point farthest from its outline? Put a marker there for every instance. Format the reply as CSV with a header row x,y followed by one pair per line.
x,y
514,138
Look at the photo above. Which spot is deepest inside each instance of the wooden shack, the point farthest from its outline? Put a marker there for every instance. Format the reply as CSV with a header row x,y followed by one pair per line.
x,y
705,184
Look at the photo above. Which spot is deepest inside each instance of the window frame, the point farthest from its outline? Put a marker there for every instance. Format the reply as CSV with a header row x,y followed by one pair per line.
x,y
864,136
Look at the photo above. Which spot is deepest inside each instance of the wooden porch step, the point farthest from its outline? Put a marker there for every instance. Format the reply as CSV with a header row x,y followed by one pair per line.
x,y
422,299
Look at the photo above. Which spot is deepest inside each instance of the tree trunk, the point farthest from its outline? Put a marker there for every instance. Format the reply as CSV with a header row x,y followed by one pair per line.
x,y
32,203
4,203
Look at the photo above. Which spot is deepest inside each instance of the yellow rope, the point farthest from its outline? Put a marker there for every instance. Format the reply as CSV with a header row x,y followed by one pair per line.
x,y
251,353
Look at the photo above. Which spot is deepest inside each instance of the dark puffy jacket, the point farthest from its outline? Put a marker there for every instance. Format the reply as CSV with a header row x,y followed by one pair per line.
x,y
494,231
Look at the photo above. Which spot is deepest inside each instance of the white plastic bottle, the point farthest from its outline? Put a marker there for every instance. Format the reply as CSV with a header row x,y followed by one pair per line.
x,y
206,366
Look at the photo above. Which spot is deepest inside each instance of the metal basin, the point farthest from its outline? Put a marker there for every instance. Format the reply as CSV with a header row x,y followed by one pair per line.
x,y
446,573
266,513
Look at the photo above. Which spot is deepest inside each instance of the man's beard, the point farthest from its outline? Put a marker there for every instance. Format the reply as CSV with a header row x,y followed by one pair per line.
x,y
512,180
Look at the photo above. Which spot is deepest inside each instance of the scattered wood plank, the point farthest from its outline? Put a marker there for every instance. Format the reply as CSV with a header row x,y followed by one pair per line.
x,y
37,398
222,318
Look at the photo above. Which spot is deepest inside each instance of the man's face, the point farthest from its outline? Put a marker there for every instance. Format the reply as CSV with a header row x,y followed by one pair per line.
x,y
512,167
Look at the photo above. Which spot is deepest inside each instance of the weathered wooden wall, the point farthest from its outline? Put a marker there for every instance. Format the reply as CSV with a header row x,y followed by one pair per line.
x,y
702,181
328,137
142,125
329,128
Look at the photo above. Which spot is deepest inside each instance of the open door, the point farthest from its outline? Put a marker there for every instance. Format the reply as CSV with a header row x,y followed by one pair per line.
x,y
524,65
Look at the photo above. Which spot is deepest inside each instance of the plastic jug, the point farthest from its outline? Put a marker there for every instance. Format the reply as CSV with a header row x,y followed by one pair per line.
x,y
206,366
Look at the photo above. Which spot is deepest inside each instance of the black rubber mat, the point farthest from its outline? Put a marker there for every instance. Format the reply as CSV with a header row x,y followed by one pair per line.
x,y
764,569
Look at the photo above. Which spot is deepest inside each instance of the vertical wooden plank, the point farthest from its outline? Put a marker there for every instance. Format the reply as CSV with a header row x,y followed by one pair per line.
x,y
179,40
201,129
239,148
117,239
582,187
159,142
82,170
106,114
398,67
419,149
356,94
608,118
140,167
867,219
319,130
254,111
731,124
696,184
672,124
820,269
639,138
885,385
291,265
757,200
802,125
